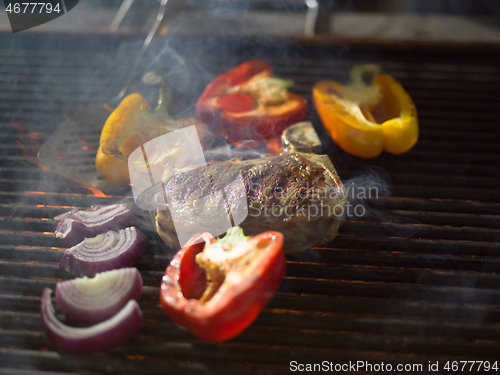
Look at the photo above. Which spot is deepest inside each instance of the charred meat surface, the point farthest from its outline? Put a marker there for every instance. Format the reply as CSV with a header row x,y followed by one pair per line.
x,y
295,193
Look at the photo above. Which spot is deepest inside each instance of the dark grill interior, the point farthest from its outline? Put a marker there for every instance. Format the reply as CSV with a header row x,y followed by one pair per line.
x,y
417,284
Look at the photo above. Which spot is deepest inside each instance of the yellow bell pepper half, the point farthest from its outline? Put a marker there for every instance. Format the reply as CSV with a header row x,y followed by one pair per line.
x,y
365,119
129,127
114,169
119,137
122,123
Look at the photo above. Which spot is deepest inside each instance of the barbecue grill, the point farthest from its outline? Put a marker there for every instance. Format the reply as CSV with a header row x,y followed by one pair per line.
x,y
414,284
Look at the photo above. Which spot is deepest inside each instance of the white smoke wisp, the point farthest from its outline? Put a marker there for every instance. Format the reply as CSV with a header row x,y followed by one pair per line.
x,y
365,193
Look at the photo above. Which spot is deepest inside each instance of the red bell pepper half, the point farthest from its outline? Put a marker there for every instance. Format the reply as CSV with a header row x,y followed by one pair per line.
x,y
250,106
217,288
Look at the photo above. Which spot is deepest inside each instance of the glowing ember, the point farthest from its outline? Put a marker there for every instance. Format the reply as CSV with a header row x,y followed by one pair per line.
x,y
96,192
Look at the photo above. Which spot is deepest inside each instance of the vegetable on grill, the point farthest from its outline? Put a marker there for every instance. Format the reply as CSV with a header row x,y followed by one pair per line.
x,y
366,119
217,288
131,126
93,300
114,169
75,226
249,106
128,127
104,252
117,330
122,124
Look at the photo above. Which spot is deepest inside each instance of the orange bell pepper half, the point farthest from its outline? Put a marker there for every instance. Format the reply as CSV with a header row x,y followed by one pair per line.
x,y
366,119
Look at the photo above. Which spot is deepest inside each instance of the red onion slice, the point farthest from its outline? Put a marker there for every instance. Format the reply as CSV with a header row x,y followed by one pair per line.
x,y
60,216
91,301
104,252
114,331
75,226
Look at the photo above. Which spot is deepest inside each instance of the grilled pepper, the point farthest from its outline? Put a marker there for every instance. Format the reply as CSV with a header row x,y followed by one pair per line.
x,y
249,106
364,119
217,288
122,124
119,137
114,169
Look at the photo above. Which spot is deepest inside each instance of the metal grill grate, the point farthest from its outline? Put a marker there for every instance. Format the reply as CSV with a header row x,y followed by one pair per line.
x,y
421,285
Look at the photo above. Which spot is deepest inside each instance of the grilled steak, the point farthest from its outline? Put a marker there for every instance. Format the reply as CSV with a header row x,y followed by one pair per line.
x,y
298,194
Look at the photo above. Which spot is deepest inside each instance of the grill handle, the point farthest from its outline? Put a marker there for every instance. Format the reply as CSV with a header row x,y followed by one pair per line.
x,y
145,45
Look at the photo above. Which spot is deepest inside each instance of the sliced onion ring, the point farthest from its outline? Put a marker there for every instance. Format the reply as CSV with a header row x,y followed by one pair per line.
x,y
91,301
60,216
75,226
104,252
114,331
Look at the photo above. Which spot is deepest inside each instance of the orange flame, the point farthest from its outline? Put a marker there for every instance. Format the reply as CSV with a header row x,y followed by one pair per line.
x,y
274,145
96,192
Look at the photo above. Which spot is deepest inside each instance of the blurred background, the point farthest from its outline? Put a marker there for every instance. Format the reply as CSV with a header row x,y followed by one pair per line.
x,y
417,20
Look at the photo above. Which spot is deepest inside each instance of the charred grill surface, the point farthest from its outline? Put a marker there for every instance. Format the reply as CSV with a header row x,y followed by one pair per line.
x,y
419,284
